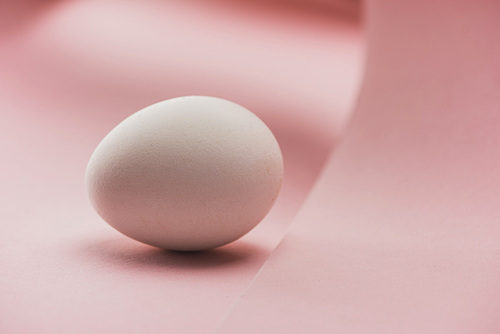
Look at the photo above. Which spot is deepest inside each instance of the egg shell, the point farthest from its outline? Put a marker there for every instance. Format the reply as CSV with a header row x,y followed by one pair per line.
x,y
189,173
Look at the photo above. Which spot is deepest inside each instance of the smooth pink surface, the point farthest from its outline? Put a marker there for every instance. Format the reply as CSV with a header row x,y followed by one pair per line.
x,y
401,234
70,71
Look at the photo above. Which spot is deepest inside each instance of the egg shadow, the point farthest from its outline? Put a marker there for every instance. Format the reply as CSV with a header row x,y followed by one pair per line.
x,y
129,254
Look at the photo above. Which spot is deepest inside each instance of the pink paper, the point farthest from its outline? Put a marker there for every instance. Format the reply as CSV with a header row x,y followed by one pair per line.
x,y
401,234
69,72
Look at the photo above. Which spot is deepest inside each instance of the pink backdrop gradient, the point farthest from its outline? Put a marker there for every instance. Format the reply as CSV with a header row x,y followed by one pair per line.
x,y
71,70
401,233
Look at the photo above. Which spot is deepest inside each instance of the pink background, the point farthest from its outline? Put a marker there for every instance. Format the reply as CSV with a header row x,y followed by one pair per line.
x,y
71,70
399,234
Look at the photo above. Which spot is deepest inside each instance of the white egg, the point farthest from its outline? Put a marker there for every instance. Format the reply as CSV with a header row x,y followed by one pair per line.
x,y
189,173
